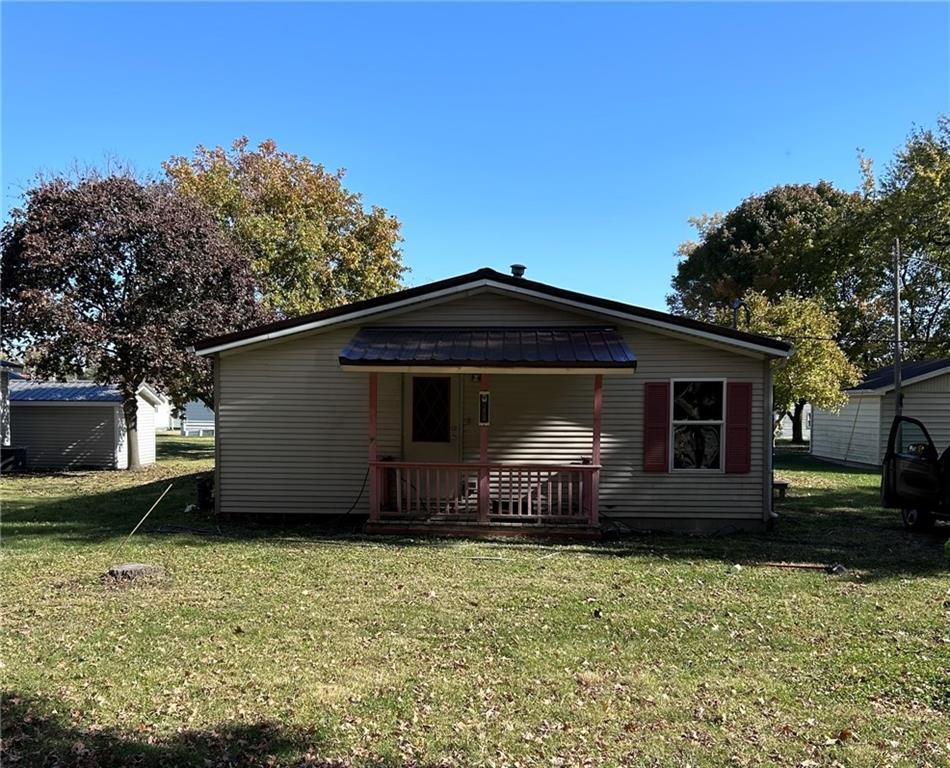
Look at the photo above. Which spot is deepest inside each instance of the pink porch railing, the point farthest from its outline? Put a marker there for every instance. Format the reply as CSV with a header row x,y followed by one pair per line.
x,y
486,493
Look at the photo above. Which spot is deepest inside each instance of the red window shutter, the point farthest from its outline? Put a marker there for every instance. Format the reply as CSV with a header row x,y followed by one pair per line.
x,y
738,428
656,431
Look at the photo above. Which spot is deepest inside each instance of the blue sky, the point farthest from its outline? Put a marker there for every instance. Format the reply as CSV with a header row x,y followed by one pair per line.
x,y
577,139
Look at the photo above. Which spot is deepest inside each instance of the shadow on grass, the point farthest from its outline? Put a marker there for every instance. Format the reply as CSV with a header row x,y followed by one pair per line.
x,y
98,517
176,447
830,516
36,732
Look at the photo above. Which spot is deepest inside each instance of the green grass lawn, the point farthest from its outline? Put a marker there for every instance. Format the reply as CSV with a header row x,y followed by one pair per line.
x,y
292,646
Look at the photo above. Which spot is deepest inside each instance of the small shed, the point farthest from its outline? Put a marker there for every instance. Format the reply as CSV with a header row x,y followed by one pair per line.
x,y
164,413
7,367
858,433
77,424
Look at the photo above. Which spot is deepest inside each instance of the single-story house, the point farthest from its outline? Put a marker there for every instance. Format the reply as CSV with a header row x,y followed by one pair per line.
x,y
195,418
77,424
7,367
493,400
857,434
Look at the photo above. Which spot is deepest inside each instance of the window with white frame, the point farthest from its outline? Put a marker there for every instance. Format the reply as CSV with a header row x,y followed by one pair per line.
x,y
699,409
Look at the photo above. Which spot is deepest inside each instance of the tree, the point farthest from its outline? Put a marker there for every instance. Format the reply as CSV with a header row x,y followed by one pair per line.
x,y
311,242
109,275
912,202
801,240
817,370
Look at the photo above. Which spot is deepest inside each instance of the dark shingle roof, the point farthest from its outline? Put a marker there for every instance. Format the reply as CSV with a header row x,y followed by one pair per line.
x,y
543,347
883,378
27,390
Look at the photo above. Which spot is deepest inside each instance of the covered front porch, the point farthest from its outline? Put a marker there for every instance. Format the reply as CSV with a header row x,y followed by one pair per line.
x,y
461,386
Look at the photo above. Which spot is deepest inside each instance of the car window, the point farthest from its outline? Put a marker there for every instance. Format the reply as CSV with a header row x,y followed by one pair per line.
x,y
912,440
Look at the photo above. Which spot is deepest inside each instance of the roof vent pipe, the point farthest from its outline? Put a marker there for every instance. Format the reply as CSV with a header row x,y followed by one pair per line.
x,y
517,270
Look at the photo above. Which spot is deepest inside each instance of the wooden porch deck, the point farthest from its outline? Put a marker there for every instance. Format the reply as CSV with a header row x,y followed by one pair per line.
x,y
485,499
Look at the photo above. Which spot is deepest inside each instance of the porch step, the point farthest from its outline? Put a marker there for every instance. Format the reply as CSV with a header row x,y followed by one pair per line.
x,y
476,531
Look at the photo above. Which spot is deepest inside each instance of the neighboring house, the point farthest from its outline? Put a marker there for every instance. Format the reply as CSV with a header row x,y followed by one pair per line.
x,y
196,418
77,424
6,368
858,432
164,419
785,426
489,399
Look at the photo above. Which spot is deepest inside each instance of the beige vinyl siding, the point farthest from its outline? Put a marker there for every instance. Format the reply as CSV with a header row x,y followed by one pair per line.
x,y
852,434
486,308
293,427
534,418
66,436
625,489
293,424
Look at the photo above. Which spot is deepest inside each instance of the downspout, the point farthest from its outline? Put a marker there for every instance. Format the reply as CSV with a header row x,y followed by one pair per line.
x,y
768,513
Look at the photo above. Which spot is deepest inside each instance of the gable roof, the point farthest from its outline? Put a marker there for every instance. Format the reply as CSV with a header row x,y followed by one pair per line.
x,y
489,278
882,380
33,391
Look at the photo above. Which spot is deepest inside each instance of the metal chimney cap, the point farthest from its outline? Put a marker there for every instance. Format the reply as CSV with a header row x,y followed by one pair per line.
x,y
517,270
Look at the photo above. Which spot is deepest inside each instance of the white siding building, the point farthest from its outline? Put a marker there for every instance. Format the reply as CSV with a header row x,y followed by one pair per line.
x,y
77,425
858,433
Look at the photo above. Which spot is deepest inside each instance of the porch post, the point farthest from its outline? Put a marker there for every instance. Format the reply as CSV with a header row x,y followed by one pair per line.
x,y
373,473
483,484
595,449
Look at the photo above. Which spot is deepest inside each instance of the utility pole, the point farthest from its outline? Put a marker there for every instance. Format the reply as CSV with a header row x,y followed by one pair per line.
x,y
738,304
897,328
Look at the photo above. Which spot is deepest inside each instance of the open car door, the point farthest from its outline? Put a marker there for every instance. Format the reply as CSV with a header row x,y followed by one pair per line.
x,y
910,476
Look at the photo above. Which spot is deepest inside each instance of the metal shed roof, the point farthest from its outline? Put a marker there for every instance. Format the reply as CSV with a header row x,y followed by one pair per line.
x,y
27,390
489,347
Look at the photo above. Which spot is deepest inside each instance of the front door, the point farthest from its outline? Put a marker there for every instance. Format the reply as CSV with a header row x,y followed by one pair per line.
x,y
431,418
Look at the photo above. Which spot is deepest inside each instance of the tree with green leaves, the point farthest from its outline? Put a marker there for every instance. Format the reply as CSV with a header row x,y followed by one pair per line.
x,y
912,203
817,371
804,240
111,276
311,242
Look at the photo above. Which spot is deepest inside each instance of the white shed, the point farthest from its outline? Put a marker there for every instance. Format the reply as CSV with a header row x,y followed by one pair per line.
x,y
858,433
164,413
77,424
7,367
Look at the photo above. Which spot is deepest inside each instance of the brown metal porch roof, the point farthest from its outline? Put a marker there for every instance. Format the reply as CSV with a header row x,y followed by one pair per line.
x,y
490,347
